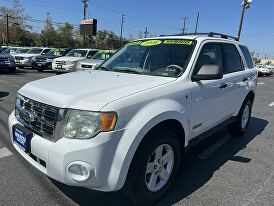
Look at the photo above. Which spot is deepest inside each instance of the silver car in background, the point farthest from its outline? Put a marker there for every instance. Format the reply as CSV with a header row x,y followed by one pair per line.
x,y
95,60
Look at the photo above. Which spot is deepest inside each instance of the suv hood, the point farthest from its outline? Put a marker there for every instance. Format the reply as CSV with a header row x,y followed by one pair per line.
x,y
67,58
26,55
89,90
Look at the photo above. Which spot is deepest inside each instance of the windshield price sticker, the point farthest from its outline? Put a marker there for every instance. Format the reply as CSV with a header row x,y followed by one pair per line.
x,y
151,43
178,42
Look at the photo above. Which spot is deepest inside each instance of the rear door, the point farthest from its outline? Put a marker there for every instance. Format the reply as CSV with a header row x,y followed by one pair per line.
x,y
235,77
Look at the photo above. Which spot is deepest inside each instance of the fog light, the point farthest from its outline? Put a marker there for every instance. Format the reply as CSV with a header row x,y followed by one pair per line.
x,y
80,171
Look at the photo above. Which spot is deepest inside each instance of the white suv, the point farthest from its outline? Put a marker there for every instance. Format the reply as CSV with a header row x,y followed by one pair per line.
x,y
126,124
68,62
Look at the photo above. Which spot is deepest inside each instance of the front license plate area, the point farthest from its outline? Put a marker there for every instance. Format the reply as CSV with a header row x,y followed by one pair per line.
x,y
22,137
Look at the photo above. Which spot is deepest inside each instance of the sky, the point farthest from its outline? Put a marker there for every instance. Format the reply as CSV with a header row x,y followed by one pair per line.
x,y
165,17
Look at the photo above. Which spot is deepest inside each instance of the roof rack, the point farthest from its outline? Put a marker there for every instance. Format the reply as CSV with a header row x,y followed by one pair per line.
x,y
210,34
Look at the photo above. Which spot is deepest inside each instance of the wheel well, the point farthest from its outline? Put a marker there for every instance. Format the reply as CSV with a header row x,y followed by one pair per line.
x,y
176,126
251,96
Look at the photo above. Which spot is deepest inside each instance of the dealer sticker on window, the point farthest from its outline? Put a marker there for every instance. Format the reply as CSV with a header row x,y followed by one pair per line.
x,y
175,41
151,43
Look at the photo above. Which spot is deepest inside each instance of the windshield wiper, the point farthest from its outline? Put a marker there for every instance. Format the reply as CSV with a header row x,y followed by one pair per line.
x,y
127,71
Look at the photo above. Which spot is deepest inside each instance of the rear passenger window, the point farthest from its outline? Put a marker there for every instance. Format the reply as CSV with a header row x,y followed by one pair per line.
x,y
247,56
210,55
232,59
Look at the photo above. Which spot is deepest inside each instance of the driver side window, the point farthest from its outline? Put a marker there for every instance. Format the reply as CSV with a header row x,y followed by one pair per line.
x,y
210,55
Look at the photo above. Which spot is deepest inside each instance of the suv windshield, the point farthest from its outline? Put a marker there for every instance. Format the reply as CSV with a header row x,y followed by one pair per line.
x,y
77,53
158,57
35,51
102,55
22,50
56,52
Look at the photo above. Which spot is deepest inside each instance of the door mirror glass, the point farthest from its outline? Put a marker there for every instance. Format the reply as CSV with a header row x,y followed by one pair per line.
x,y
208,72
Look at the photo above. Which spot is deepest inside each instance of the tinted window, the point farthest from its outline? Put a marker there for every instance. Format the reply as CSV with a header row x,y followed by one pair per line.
x,y
210,55
232,59
247,56
91,53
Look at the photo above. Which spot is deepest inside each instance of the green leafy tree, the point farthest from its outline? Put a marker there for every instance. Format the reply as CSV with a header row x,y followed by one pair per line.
x,y
65,36
18,26
48,35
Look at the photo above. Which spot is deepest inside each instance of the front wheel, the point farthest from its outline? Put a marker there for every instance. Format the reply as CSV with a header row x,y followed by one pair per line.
x,y
12,69
153,168
240,125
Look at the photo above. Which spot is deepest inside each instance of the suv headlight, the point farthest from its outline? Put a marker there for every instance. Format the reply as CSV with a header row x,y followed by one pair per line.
x,y
78,66
34,59
70,63
85,125
11,59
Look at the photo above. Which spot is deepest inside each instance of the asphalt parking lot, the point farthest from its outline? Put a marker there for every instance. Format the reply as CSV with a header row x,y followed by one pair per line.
x,y
219,171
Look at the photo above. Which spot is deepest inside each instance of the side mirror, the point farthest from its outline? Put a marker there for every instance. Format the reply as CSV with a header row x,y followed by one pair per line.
x,y
208,72
89,57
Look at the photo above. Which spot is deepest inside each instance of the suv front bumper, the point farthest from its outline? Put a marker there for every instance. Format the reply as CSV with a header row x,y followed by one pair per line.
x,y
64,68
53,158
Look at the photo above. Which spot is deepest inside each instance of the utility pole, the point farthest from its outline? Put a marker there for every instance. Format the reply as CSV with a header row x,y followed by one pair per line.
x,y
122,27
197,22
85,2
146,32
245,5
8,32
184,24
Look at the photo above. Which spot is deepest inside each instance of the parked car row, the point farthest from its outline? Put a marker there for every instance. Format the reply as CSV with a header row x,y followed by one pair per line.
x,y
61,60
264,70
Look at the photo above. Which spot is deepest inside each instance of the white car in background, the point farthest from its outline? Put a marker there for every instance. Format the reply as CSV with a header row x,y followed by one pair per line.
x,y
95,60
68,62
28,59
263,70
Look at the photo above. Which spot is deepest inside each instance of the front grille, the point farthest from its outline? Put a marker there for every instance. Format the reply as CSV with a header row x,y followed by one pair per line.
x,y
86,66
19,58
38,117
4,59
61,62
41,60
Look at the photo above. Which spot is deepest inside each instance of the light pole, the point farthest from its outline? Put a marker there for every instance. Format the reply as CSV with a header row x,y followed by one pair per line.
x,y
245,5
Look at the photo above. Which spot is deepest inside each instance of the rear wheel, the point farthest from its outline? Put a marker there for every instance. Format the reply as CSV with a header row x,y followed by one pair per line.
x,y
240,125
153,168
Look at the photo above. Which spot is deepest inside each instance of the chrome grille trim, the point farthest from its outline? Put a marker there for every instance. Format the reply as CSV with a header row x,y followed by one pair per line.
x,y
87,66
40,118
61,62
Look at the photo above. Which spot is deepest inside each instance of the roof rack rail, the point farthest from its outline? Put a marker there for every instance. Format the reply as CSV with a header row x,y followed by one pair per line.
x,y
210,34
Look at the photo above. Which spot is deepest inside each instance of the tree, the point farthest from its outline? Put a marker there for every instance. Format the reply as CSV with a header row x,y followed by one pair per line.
x,y
65,36
48,34
18,26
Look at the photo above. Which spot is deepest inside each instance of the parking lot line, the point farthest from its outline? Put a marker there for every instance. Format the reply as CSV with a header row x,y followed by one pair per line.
x,y
260,83
271,104
4,152
210,150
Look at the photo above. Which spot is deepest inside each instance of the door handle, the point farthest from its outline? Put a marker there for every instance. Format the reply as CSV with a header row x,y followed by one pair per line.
x,y
244,79
223,85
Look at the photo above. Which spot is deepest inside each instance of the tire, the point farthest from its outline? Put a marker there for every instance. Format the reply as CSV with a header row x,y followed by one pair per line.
x,y
40,69
239,127
12,70
137,187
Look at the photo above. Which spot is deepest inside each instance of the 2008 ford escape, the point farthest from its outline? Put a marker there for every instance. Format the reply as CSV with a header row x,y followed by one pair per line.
x,y
126,124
